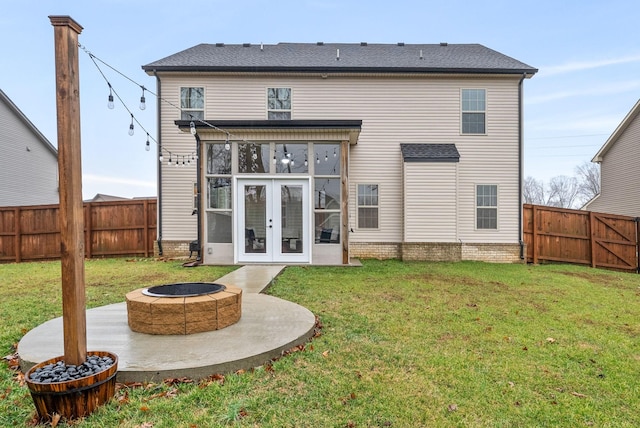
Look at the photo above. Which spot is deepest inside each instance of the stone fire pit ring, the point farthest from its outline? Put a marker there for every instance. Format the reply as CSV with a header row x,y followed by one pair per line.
x,y
153,310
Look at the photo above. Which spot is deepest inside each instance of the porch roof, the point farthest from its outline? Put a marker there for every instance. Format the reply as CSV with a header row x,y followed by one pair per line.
x,y
353,127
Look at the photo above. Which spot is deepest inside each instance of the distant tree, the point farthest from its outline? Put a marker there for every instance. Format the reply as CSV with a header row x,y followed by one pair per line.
x,y
588,175
534,192
563,191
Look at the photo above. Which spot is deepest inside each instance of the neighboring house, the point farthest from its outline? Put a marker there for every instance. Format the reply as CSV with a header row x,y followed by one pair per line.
x,y
619,160
317,153
101,197
28,161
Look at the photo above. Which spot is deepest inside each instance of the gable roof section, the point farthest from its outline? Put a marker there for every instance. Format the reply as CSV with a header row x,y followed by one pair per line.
x,y
629,118
430,153
4,98
342,57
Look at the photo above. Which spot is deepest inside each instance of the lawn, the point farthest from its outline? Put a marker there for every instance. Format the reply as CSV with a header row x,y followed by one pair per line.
x,y
402,345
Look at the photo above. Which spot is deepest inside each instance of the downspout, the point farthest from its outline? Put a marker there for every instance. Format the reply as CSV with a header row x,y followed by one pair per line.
x,y
520,166
198,197
159,204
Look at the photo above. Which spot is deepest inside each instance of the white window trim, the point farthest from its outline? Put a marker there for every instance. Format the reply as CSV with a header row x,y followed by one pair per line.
x,y
486,121
204,102
281,110
367,206
475,208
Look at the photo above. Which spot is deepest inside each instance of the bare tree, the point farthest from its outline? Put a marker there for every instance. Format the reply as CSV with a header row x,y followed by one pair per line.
x,y
588,175
533,191
563,191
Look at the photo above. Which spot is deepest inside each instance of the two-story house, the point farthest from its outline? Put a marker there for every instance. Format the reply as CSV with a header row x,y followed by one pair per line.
x,y
317,153
28,161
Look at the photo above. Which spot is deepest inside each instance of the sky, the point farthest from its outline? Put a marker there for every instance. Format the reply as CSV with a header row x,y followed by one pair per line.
x,y
587,53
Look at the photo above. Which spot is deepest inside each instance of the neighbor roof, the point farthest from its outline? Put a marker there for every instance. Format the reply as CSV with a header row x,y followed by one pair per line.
x,y
342,57
430,153
629,118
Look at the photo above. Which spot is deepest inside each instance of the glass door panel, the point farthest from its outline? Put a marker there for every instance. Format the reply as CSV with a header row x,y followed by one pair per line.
x,y
255,219
291,219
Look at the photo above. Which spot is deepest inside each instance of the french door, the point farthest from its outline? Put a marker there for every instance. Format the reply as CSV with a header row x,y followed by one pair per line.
x,y
273,223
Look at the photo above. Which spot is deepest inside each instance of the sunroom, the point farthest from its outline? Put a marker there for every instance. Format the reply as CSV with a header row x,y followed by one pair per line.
x,y
273,191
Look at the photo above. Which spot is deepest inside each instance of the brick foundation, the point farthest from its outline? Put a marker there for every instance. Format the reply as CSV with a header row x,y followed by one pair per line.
x,y
436,251
172,249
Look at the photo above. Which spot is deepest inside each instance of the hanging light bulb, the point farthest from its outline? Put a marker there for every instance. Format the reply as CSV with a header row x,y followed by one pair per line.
x,y
227,145
292,162
131,131
275,161
177,161
161,158
192,128
147,147
317,158
193,158
306,162
143,105
170,160
110,102
326,156
254,155
334,152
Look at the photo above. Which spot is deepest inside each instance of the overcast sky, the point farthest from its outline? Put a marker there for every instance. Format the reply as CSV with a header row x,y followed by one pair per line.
x,y
588,54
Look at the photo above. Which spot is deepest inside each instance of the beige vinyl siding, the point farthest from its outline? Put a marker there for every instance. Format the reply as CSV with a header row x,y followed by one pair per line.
x,y
430,202
393,110
29,177
620,175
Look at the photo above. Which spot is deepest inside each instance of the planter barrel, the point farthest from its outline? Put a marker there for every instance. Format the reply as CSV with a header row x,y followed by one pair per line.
x,y
74,398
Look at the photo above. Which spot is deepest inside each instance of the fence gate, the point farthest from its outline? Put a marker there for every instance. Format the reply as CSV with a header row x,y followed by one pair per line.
x,y
581,237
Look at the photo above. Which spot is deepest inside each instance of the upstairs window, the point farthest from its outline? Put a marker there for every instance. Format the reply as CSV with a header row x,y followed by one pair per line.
x,y
192,103
474,111
487,206
279,103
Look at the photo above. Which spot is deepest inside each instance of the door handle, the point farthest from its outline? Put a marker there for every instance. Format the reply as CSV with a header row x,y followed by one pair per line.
x,y
270,223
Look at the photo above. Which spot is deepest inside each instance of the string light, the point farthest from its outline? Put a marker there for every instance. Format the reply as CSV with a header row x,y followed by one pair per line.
x,y
334,152
147,146
326,156
131,131
192,128
161,158
227,146
110,104
143,104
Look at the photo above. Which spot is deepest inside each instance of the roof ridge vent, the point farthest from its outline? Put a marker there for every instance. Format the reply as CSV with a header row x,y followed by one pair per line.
x,y
444,44
246,45
363,43
219,45
400,43
320,43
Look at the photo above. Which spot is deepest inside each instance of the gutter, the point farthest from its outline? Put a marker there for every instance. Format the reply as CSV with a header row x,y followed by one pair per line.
x,y
159,206
520,166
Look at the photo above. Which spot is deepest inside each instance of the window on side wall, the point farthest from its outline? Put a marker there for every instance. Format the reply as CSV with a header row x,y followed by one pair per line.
x,y
192,103
487,206
279,103
473,108
368,208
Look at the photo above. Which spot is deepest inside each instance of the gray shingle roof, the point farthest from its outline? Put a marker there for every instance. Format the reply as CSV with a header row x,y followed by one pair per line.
x,y
342,57
430,153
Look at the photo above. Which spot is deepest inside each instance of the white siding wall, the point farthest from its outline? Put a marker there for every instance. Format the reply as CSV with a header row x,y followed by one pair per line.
x,y
430,202
620,175
27,177
394,110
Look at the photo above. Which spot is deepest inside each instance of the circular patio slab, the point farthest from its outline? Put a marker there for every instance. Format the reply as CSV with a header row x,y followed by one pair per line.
x,y
268,326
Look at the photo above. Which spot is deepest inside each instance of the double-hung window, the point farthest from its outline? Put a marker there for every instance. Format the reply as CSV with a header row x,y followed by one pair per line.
x,y
279,103
368,206
192,103
474,115
486,206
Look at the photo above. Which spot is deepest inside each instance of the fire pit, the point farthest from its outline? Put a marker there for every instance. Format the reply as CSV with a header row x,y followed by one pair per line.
x,y
183,308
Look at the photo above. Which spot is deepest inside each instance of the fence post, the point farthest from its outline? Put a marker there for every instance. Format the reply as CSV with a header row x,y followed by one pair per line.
x,y
88,238
592,239
17,238
534,234
146,227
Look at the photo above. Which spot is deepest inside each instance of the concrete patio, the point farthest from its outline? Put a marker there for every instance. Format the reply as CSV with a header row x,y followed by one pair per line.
x,y
268,326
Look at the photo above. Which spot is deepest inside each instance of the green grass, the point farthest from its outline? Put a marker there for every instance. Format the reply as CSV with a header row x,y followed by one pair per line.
x,y
402,345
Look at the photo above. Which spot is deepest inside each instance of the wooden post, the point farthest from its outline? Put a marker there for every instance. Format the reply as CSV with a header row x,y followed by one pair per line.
x,y
66,32
17,243
344,175
534,235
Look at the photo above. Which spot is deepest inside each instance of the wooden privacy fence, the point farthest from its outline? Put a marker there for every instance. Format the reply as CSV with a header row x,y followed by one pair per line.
x,y
582,237
115,228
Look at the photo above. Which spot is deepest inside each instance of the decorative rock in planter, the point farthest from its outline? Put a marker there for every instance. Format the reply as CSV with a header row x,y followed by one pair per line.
x,y
72,391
